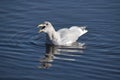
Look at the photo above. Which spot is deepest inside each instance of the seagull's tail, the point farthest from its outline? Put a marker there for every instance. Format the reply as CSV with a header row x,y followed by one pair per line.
x,y
83,30
83,27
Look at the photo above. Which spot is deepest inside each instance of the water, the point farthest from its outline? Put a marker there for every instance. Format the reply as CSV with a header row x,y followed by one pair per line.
x,y
24,55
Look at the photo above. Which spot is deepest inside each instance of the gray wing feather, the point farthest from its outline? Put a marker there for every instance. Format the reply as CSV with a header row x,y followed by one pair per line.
x,y
71,34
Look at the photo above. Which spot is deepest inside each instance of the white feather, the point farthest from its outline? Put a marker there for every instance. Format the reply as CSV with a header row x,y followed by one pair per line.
x,y
63,36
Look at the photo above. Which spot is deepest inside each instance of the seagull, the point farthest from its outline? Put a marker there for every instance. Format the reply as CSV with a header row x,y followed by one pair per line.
x,y
64,36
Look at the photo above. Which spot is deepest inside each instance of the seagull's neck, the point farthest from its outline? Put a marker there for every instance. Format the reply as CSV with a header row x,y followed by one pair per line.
x,y
53,35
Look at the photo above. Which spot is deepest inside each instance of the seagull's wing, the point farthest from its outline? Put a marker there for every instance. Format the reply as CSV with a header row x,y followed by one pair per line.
x,y
63,32
72,34
78,31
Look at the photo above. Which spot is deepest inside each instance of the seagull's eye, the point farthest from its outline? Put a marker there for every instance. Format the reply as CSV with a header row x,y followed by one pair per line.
x,y
46,23
43,27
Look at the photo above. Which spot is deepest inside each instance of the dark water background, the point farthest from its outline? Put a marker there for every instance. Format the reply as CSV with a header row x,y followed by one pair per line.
x,y
24,55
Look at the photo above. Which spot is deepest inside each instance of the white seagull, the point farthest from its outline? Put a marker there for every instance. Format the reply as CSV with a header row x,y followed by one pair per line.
x,y
64,36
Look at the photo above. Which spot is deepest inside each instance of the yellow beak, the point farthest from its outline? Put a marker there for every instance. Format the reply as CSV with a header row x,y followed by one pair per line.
x,y
40,25
40,31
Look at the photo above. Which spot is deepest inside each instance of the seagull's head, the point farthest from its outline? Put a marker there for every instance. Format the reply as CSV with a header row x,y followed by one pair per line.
x,y
45,27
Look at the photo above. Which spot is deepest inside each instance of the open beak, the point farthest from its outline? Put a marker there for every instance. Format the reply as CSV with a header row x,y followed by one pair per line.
x,y
39,26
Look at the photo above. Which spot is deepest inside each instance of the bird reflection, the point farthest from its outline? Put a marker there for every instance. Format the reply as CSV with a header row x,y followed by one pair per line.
x,y
53,52
47,60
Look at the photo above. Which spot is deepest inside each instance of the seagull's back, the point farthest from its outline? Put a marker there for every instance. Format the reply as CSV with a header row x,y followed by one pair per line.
x,y
70,35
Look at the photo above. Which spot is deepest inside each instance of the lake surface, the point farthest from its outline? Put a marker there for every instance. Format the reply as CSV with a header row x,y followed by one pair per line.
x,y
25,56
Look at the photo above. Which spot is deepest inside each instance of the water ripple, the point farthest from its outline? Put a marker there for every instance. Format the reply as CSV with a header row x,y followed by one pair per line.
x,y
24,54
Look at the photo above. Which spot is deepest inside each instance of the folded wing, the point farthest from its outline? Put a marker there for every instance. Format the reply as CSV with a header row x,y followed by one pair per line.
x,y
70,35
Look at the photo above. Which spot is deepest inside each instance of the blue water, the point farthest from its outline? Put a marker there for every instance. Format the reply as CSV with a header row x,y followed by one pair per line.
x,y
24,55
